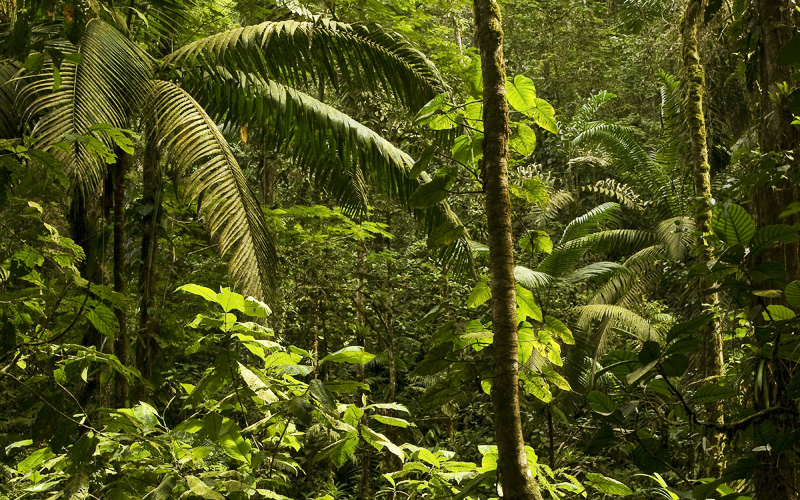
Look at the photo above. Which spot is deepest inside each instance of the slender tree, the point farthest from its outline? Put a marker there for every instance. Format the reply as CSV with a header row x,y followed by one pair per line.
x,y
701,176
515,475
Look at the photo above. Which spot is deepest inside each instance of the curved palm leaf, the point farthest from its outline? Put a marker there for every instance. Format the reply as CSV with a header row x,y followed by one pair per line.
x,y
195,146
632,164
295,51
9,118
340,153
623,316
590,221
104,87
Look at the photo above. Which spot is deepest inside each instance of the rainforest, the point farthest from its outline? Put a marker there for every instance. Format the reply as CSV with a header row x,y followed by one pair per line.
x,y
400,250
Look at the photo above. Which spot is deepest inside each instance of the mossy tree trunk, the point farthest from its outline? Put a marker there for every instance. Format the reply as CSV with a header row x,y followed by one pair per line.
x,y
515,476
712,355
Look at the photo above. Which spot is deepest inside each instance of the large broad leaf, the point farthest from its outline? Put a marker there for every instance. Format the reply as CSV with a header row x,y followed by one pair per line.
x,y
198,487
446,233
521,94
352,354
232,442
479,295
433,192
526,305
733,225
164,489
600,403
792,293
777,312
545,116
522,139
770,236
712,392
606,485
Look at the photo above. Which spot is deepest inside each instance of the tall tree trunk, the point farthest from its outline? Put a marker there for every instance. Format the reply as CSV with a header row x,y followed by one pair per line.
x,y
149,318
121,348
776,26
515,477
83,217
712,356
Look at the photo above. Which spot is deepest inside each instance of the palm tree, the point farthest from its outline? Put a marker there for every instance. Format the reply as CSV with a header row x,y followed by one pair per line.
x,y
249,76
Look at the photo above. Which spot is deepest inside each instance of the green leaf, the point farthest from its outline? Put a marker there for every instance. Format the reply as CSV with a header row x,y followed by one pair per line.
x,y
545,115
710,393
526,306
35,459
479,295
475,79
422,163
446,233
777,312
522,139
199,488
792,293
164,489
431,193
395,422
769,236
437,114
537,241
202,291
606,485
733,225
232,442
521,94
104,320
352,354
559,329
321,393
600,403
340,451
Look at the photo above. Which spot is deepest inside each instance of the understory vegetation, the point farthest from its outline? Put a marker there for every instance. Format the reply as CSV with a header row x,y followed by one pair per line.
x,y
254,249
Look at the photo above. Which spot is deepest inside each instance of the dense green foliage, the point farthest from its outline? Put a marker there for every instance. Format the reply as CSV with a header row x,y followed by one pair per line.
x,y
242,250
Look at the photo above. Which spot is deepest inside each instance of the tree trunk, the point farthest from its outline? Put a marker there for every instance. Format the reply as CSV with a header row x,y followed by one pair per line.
x,y
121,348
515,476
712,355
776,26
148,315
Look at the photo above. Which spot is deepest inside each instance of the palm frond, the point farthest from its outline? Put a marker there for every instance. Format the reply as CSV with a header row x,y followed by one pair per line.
x,y
532,280
622,316
675,235
109,82
340,153
591,221
602,270
668,154
294,51
622,193
9,118
632,164
192,142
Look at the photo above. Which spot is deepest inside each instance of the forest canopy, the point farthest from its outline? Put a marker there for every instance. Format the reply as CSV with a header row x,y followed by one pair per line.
x,y
322,250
